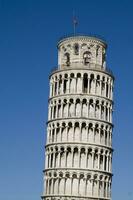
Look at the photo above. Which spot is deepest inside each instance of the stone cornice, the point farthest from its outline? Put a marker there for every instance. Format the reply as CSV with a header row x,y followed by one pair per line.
x,y
84,95
79,144
79,119
82,38
79,170
72,196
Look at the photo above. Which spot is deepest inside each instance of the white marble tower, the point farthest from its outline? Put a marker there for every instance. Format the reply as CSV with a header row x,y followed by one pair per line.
x,y
78,161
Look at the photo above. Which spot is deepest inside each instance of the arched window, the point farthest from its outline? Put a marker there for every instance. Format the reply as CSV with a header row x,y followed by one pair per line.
x,y
85,83
92,84
76,49
78,108
77,132
67,59
87,57
65,83
98,84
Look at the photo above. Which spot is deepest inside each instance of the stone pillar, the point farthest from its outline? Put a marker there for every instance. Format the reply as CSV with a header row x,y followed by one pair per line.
x,y
88,91
53,88
53,159
99,159
65,152
68,89
56,114
103,161
107,165
100,92
46,160
62,89
105,90
93,152
57,90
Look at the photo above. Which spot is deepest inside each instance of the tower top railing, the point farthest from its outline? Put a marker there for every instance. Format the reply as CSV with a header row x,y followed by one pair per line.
x,y
106,70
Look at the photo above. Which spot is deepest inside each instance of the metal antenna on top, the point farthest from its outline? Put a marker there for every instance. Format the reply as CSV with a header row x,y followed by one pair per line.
x,y
75,23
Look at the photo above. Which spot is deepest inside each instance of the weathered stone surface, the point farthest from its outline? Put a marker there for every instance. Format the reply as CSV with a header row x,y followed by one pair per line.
x,y
78,161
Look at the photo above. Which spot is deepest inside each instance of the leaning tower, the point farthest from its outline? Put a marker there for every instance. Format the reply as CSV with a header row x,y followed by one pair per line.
x,y
78,161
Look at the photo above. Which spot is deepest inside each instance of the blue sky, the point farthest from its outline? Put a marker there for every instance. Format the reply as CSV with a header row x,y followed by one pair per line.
x,y
29,31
